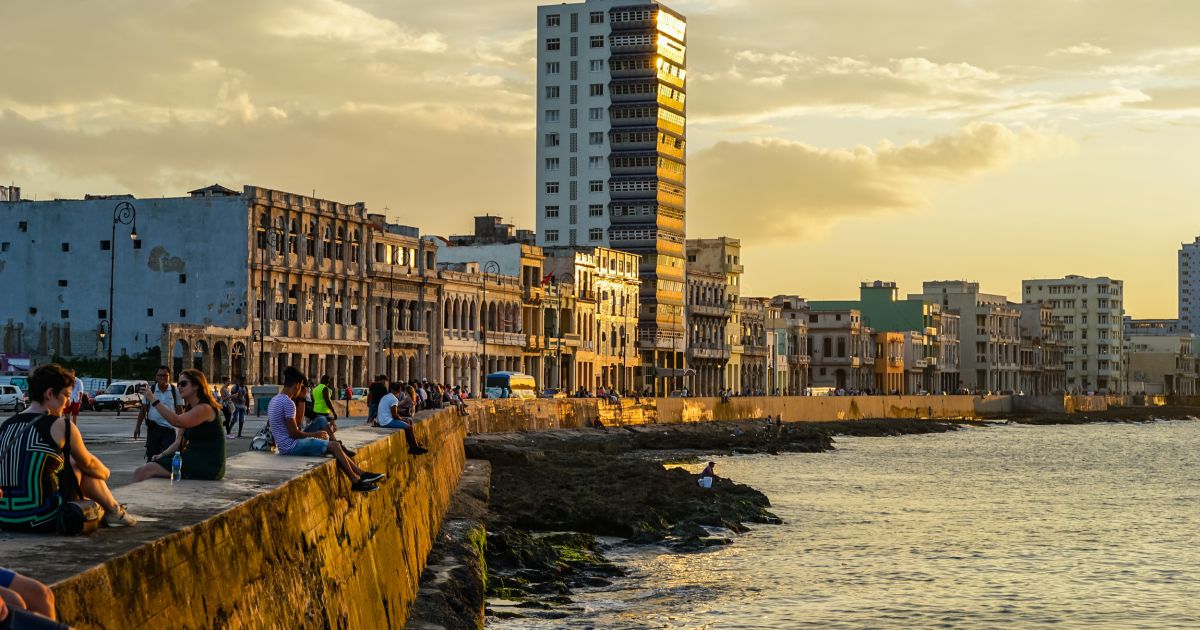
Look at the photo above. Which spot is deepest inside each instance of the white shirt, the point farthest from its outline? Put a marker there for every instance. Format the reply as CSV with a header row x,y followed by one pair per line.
x,y
386,404
170,398
77,390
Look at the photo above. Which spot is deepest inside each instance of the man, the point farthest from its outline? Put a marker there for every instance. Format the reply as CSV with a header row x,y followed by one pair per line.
x,y
290,440
378,389
323,402
226,402
159,432
391,418
241,399
76,399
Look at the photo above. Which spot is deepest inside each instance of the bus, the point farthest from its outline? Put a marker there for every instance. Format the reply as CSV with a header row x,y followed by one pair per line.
x,y
509,385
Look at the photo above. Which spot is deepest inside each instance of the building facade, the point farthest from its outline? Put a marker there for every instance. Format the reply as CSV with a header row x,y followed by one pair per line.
x,y
1043,352
1189,286
1092,312
843,350
403,302
611,154
989,334
793,326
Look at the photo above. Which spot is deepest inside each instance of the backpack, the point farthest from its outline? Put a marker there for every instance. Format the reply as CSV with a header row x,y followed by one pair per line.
x,y
263,440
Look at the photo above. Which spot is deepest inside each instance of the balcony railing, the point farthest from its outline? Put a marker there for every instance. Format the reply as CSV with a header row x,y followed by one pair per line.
x,y
708,353
710,310
506,338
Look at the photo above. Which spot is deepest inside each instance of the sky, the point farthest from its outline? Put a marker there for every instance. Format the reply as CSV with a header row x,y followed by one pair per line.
x,y
841,140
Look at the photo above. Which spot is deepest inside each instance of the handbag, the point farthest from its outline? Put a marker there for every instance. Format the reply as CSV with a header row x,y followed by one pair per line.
x,y
77,515
264,440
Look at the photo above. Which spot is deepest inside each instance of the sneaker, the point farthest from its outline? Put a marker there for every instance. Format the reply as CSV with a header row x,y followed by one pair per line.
x,y
229,436
417,450
119,518
372,477
362,485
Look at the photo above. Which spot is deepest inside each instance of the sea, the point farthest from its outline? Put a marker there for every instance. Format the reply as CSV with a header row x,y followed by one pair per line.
x,y
1009,526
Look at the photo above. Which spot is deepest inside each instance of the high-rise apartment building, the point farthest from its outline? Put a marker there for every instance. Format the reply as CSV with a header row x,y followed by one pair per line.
x,y
1189,286
1092,310
989,334
611,152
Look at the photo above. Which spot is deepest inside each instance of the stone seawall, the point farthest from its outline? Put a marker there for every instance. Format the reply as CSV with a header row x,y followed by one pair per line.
x,y
308,553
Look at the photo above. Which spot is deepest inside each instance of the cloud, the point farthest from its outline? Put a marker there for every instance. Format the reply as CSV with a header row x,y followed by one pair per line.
x,y
774,189
1086,49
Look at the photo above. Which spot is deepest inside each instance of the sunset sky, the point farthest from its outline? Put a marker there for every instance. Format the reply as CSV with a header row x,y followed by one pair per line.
x,y
842,140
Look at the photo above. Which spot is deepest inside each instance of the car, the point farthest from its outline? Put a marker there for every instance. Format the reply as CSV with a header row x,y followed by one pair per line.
x,y
360,393
120,395
12,398
552,392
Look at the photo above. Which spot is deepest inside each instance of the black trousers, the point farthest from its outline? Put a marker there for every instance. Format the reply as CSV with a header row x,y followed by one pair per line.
x,y
158,438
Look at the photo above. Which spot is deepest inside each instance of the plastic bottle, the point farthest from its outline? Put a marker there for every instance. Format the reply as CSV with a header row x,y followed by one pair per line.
x,y
176,466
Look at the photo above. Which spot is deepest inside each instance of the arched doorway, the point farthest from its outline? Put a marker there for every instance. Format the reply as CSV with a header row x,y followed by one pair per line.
x,y
200,356
180,357
840,376
220,362
238,363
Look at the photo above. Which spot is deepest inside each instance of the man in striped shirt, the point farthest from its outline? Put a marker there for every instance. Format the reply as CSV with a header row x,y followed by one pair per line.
x,y
290,440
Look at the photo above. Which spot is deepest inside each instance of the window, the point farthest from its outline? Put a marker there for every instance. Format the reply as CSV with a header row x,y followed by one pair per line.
x,y
137,244
553,19
23,226
596,41
551,91
596,17
101,314
595,234
551,212
149,312
183,278
65,314
551,139
596,210
4,246
66,247
596,137
183,312
551,164
595,162
553,43
551,236
551,115
105,246
62,283
596,89
552,67
596,113
596,185
596,65
551,188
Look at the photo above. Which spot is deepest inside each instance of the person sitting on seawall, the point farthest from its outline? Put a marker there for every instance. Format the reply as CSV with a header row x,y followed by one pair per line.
x,y
323,403
453,397
25,602
199,434
378,389
313,421
290,440
31,448
392,416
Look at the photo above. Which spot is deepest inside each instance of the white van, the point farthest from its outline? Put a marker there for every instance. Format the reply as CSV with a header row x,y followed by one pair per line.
x,y
120,395
12,398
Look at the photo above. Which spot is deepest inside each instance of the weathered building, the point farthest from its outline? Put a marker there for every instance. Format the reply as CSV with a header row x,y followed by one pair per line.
x,y
989,333
403,302
1092,311
1042,351
843,350
793,325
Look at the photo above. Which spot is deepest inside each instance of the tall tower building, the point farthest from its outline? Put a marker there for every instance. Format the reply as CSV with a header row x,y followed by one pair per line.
x,y
1189,286
611,153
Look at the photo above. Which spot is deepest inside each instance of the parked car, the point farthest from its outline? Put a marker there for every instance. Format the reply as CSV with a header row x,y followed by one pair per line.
x,y
12,398
360,393
553,392
120,395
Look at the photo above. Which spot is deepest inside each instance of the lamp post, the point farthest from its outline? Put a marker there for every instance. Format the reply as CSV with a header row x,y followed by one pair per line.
x,y
123,214
274,237
490,266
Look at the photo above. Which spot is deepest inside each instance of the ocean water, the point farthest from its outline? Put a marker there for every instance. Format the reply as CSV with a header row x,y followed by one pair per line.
x,y
1094,526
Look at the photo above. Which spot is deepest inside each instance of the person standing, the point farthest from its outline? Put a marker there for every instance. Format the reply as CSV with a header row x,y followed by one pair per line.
x,y
159,432
226,401
241,400
198,437
76,399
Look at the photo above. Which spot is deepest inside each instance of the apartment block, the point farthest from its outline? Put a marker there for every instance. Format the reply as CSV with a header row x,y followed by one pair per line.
x,y
989,333
1092,311
1189,286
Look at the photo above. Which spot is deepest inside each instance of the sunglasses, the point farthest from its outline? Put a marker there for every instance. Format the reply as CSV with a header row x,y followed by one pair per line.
x,y
182,383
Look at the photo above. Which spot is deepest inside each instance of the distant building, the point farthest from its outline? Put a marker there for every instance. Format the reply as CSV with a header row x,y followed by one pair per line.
x,y
1092,311
843,350
792,325
1189,286
611,153
1162,364
889,362
1043,369
713,288
989,332
10,194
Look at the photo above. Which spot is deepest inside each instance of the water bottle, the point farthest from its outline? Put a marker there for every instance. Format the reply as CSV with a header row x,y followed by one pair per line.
x,y
176,465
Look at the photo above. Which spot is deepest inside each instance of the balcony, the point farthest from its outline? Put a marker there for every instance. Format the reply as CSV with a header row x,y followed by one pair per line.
x,y
407,337
840,361
700,352
506,338
756,350
532,294
571,339
895,362
535,342
735,268
710,310
931,331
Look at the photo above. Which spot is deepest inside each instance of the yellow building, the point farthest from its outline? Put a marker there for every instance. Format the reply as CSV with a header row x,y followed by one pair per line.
x,y
889,362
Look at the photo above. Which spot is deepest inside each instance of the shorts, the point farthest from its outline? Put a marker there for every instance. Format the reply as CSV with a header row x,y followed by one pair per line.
x,y
319,423
6,577
73,409
308,447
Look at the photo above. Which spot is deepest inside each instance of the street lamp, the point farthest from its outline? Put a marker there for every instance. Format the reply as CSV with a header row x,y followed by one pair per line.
x,y
123,214
569,279
272,236
490,266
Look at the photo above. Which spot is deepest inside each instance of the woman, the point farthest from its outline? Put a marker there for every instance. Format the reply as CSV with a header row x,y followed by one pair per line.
x,y
408,404
31,447
199,435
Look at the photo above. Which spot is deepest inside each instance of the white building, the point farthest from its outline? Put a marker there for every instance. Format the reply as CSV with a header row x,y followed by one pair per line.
x,y
1189,286
989,334
611,152
1092,312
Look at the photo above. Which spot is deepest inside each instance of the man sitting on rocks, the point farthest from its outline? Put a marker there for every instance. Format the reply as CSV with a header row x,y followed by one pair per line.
x,y
290,440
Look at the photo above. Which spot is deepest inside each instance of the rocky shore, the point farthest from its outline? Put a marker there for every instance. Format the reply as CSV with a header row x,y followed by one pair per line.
x,y
553,493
